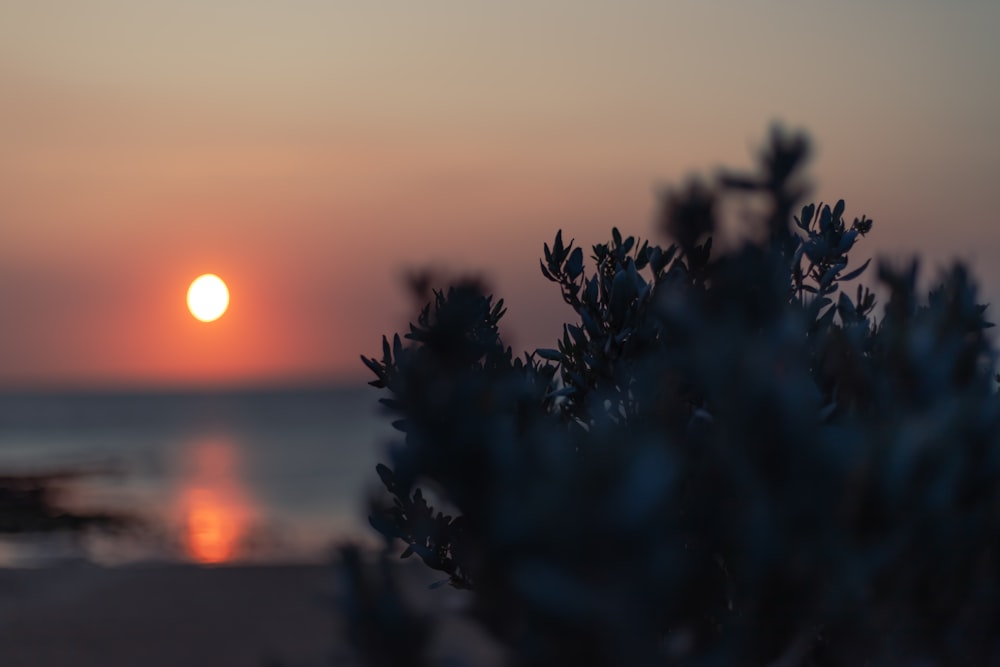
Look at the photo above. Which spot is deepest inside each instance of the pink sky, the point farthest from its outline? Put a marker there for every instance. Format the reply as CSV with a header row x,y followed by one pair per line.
x,y
310,154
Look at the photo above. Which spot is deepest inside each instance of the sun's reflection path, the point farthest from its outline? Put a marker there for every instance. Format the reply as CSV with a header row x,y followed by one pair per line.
x,y
216,510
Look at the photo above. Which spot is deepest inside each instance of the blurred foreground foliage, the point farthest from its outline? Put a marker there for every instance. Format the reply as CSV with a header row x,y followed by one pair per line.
x,y
726,459
34,504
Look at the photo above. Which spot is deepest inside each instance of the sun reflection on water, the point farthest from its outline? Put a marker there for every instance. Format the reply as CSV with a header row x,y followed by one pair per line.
x,y
215,507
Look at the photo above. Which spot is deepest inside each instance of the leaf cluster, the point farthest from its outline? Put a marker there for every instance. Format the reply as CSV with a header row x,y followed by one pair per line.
x,y
724,459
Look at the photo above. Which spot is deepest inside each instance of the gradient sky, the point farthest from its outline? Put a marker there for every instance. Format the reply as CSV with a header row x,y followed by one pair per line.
x,y
311,152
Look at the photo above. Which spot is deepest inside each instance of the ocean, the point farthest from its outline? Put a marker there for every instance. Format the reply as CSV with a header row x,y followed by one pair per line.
x,y
259,475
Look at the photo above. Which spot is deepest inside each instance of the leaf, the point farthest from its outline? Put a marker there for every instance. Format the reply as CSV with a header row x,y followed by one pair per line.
x,y
838,209
825,219
806,216
498,311
591,325
808,212
826,319
819,304
816,248
372,365
851,275
590,292
862,224
642,257
550,354
386,475
577,333
797,257
574,266
668,255
831,275
845,307
847,241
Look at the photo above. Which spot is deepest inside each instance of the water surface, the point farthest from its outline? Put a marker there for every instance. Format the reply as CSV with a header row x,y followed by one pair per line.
x,y
217,477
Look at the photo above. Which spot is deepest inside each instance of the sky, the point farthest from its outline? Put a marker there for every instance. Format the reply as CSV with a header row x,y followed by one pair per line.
x,y
312,153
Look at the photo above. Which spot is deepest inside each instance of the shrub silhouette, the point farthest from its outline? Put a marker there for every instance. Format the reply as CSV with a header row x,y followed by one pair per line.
x,y
726,459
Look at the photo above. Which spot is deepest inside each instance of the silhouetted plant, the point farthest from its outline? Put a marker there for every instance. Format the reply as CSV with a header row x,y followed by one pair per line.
x,y
726,459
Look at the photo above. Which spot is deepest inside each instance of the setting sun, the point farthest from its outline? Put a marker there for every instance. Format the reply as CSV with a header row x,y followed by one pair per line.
x,y
208,297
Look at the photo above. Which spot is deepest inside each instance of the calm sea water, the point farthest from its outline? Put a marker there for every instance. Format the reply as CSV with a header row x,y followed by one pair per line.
x,y
260,475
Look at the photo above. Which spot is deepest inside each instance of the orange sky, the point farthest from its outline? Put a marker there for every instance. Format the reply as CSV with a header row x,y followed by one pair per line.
x,y
309,153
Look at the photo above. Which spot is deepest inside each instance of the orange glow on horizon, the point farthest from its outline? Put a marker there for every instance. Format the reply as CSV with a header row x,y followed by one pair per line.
x,y
215,510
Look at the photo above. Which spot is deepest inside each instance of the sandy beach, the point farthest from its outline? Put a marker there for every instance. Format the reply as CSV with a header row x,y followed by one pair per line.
x,y
83,615
167,615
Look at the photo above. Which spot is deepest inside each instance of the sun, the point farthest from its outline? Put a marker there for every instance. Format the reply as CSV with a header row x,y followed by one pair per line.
x,y
208,297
